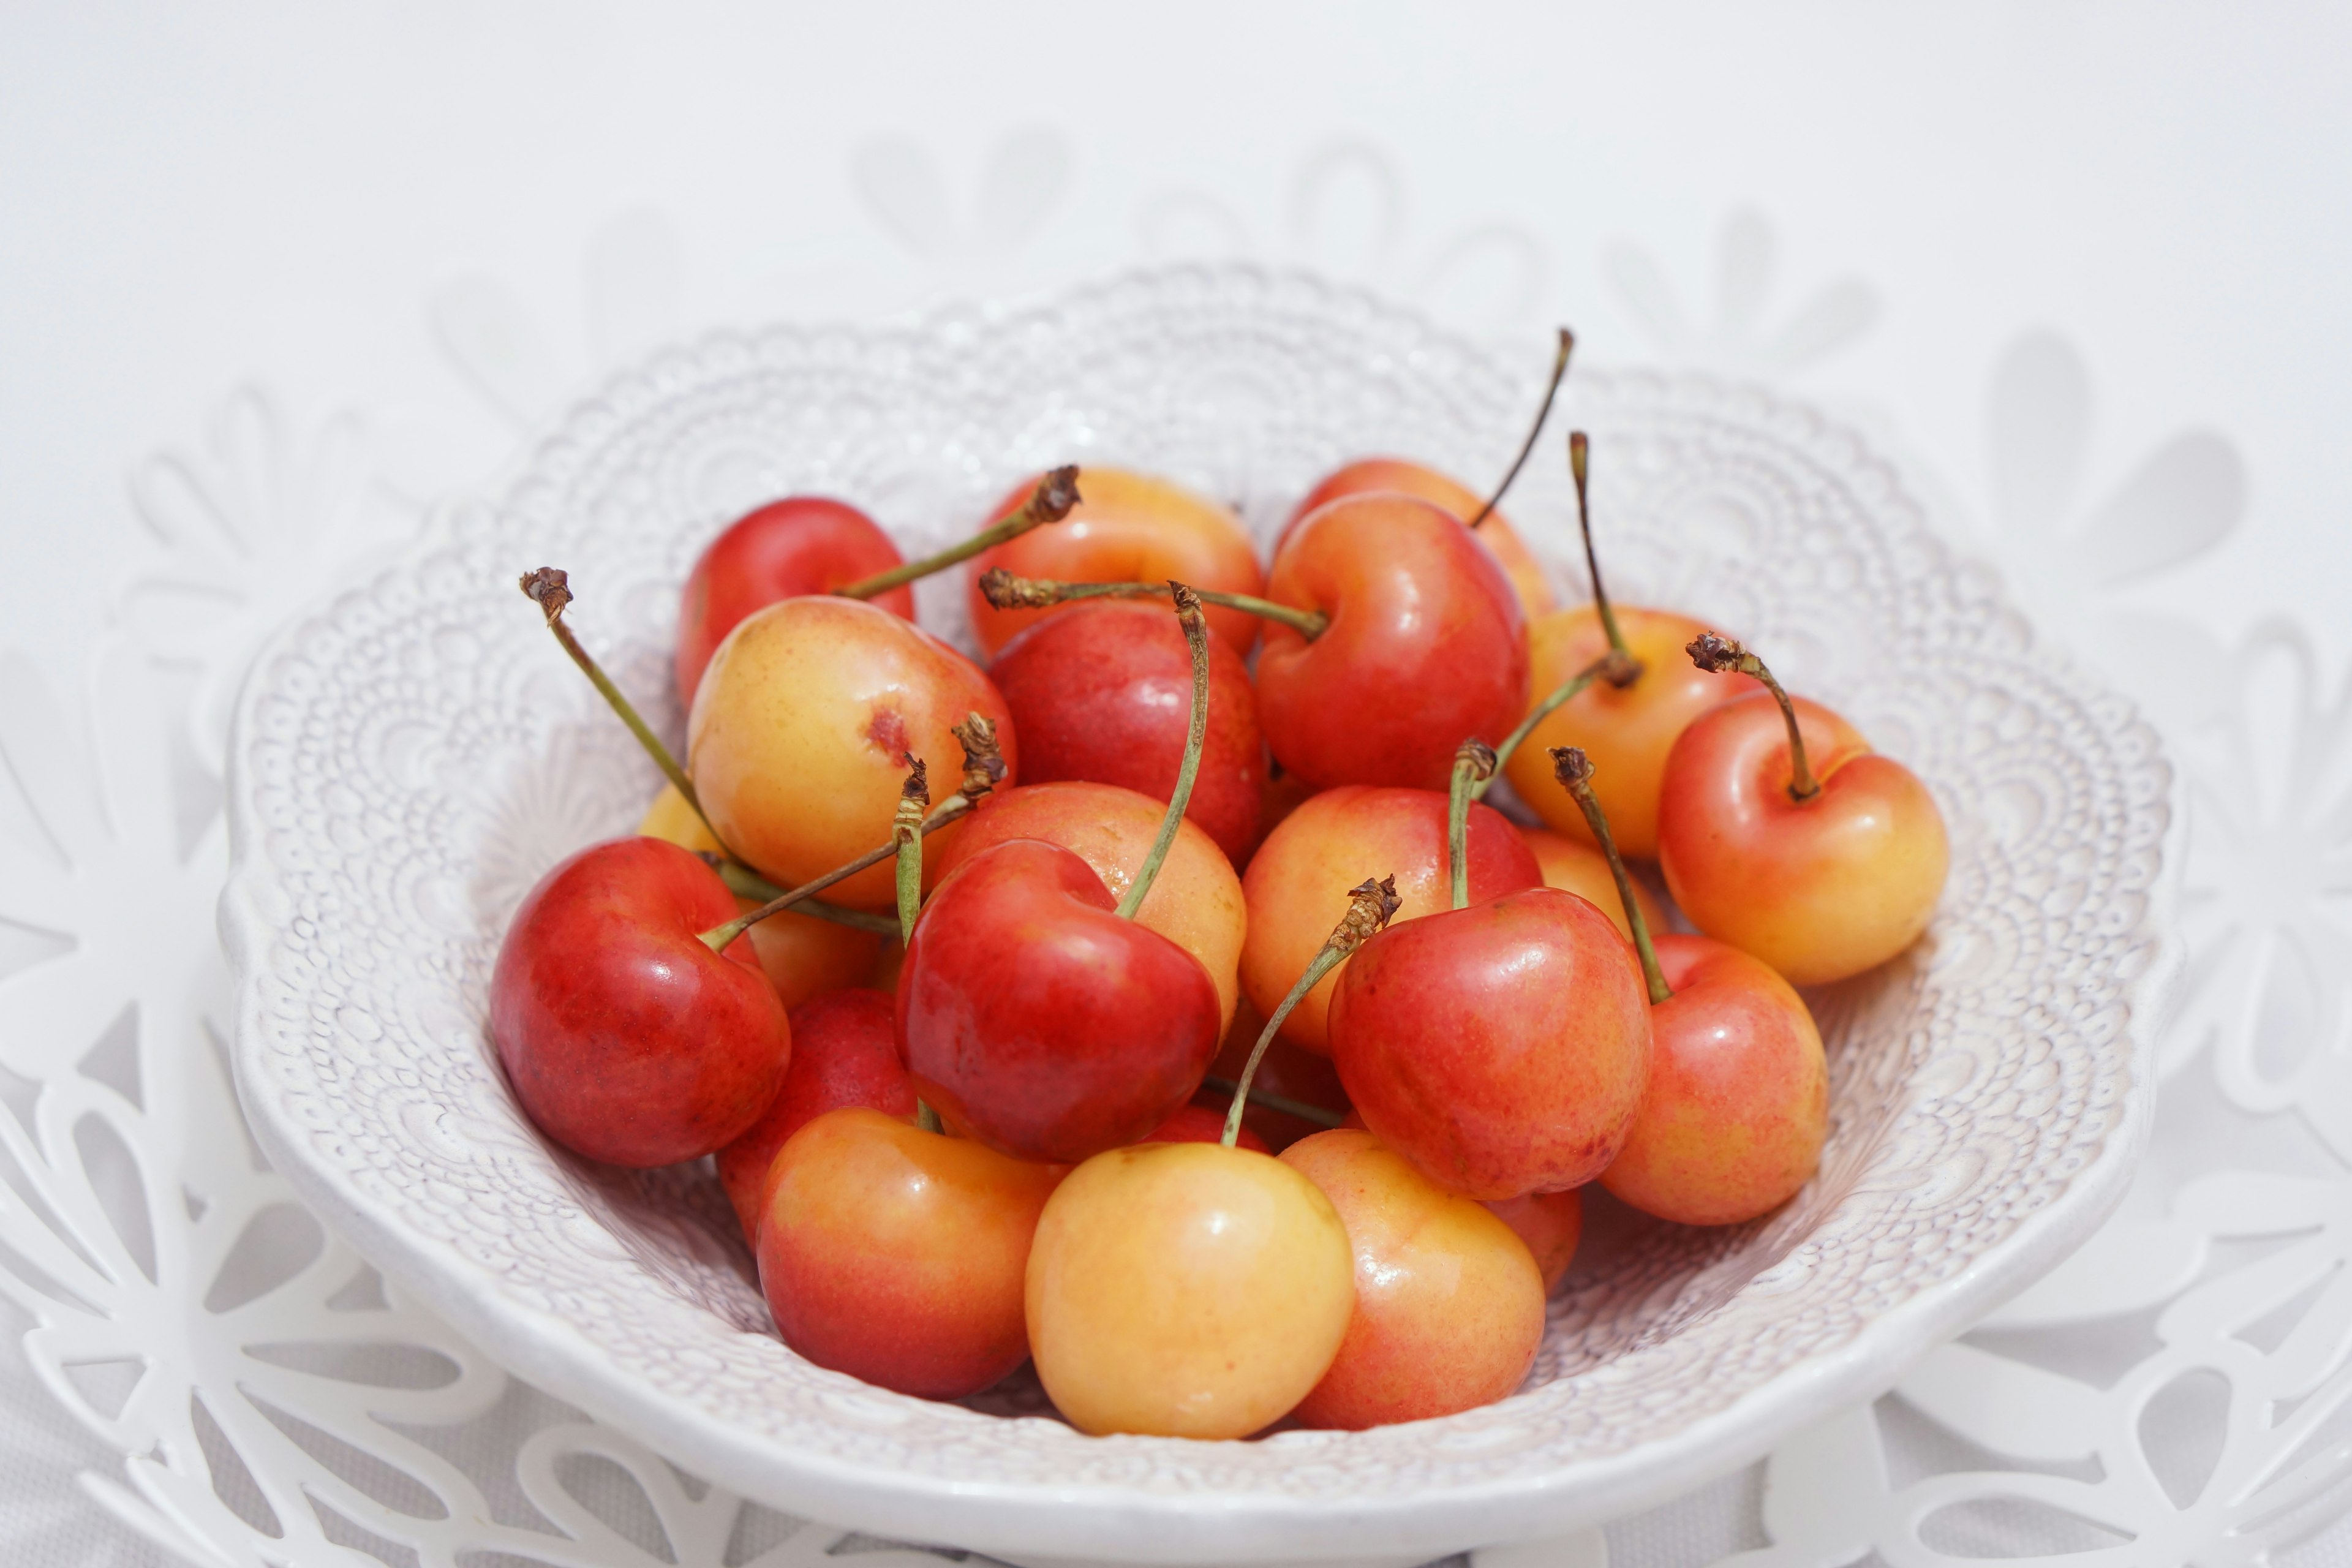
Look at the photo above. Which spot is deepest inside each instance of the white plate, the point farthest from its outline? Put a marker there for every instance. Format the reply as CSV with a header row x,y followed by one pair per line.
x,y
410,759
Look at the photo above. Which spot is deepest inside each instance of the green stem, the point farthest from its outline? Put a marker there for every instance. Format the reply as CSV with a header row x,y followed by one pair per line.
x,y
719,937
1196,636
1051,502
1574,770
926,1118
1564,692
913,797
745,883
1719,655
1580,460
1322,1115
1558,370
1472,765
1007,591
1371,905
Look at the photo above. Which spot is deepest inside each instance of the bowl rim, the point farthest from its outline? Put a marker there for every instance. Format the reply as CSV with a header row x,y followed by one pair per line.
x,y
1106,1520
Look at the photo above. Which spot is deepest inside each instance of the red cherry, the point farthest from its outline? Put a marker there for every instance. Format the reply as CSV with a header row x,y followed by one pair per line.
x,y
1369,474
802,545
1426,645
1198,1124
1503,1047
1101,691
1038,1021
627,1038
844,1052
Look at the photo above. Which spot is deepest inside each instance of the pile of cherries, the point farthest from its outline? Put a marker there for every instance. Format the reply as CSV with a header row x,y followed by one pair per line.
x,y
1208,1041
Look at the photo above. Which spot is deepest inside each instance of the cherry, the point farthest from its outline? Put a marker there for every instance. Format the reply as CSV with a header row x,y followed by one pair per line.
x,y
1782,833
1099,693
801,730
1036,1013
1296,1092
1551,1223
1129,526
1198,1124
1195,1290
1425,644
802,545
1501,1047
1627,720
629,1038
898,1256
1321,844
1195,901
844,1052
1449,1301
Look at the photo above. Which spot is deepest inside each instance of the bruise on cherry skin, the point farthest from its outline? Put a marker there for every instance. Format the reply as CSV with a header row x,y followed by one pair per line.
x,y
887,732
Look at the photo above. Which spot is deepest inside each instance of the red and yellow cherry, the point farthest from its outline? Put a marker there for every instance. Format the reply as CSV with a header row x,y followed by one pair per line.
x,y
802,545
1425,644
1502,1047
1368,474
627,1039
1551,1223
1197,1123
1195,900
1574,865
1038,1021
1292,885
803,956
900,1256
1127,528
802,728
1186,1291
1782,833
844,1053
1102,693
1738,1104
1627,730
1449,1301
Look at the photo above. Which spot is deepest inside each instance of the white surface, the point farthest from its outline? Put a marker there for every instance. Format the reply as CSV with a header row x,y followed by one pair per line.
x,y
193,200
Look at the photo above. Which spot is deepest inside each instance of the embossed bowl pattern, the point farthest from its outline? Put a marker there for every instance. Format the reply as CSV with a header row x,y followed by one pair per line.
x,y
410,758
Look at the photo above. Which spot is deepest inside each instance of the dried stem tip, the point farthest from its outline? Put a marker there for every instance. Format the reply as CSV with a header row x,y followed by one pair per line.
x,y
915,794
983,759
1478,756
1005,591
1569,765
1056,494
548,588
1371,905
1188,602
1720,655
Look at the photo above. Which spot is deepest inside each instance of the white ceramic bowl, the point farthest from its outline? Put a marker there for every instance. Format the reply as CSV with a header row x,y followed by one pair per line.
x,y
412,756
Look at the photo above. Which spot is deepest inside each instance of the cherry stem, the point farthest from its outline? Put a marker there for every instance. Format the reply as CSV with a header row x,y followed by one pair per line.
x,y
1322,1115
1005,591
745,883
1051,502
1574,769
551,590
1580,461
1564,692
1474,764
984,767
926,1118
907,829
1196,635
1370,906
1719,655
1551,392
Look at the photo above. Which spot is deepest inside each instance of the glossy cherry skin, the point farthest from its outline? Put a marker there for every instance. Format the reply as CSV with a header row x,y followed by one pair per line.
x,y
1127,528
802,727
1738,1100
802,545
1194,903
1200,1124
1186,1291
626,1037
1551,1223
802,955
1575,866
1425,649
1627,731
1037,1021
1449,1301
1103,692
1820,888
844,1053
1367,474
1501,1049
1296,887
900,1256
